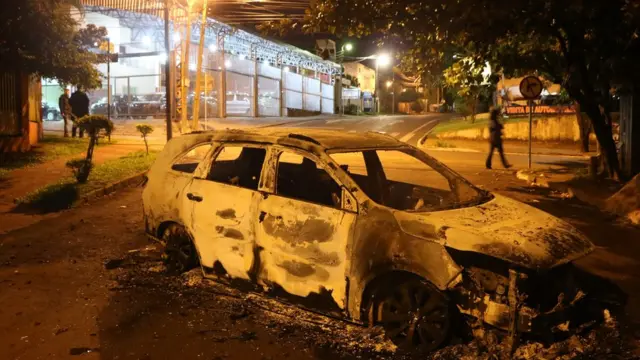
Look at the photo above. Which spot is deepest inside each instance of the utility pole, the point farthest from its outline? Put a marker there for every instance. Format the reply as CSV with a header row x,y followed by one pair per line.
x,y
108,79
375,90
184,81
393,92
196,99
167,71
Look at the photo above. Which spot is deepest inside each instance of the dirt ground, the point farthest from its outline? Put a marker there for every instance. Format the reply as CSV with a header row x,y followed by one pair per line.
x,y
88,283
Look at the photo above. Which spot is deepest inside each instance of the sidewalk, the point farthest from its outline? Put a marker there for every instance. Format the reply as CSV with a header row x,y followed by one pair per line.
x,y
22,181
510,147
127,127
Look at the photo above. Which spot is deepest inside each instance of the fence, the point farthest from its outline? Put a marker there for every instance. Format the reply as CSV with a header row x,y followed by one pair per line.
x,y
10,123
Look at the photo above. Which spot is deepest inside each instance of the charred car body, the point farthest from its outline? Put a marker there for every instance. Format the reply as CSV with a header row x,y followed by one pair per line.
x,y
390,235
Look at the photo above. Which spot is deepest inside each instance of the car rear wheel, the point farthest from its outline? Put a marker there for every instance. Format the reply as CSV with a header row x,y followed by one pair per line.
x,y
179,253
414,314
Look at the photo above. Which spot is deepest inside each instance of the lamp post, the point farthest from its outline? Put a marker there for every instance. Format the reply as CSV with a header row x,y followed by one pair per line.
x,y
393,97
381,60
345,47
196,98
167,71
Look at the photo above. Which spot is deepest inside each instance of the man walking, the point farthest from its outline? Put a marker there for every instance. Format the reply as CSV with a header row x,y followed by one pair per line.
x,y
65,109
79,107
495,138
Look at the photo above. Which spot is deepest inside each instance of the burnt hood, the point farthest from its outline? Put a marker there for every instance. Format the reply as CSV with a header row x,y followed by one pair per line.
x,y
502,228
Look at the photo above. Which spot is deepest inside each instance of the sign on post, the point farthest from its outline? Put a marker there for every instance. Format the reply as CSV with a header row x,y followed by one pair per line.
x,y
530,88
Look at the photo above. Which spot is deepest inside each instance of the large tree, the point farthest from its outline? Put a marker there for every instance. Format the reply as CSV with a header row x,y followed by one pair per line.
x,y
41,37
591,47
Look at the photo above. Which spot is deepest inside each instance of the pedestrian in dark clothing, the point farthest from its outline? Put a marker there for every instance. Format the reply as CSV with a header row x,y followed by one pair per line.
x,y
495,138
65,110
79,107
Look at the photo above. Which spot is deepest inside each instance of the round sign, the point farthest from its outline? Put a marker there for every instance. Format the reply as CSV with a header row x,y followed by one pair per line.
x,y
531,87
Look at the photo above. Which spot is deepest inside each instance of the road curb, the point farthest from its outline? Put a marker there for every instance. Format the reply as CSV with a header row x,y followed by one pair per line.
x,y
421,145
131,181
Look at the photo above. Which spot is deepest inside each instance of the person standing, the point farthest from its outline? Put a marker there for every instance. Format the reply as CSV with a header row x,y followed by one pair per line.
x,y
79,102
495,138
65,110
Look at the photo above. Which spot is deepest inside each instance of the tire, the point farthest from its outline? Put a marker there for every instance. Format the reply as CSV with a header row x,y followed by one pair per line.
x,y
416,316
50,116
180,254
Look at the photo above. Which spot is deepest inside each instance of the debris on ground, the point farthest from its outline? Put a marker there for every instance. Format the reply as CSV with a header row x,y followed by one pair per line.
x,y
626,202
339,338
533,178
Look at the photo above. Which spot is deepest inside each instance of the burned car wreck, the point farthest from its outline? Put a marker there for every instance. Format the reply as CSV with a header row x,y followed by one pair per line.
x,y
388,234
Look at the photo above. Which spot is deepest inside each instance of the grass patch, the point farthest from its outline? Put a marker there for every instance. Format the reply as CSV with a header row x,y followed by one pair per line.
x,y
64,193
482,121
444,144
49,148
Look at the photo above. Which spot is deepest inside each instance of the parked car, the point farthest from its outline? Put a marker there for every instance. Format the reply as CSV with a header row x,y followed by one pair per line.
x,y
238,104
380,231
50,112
100,108
147,105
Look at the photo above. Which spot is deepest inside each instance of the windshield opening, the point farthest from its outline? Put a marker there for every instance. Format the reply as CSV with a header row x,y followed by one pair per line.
x,y
407,179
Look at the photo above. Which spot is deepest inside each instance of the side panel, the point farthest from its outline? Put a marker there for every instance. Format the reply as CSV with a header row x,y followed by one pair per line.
x,y
304,246
162,198
222,224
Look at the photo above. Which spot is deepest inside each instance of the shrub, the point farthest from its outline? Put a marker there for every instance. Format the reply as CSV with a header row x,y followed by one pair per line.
x,y
93,125
80,168
351,109
145,130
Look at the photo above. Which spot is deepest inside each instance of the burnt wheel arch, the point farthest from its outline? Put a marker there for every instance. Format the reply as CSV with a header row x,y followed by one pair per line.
x,y
421,332
180,253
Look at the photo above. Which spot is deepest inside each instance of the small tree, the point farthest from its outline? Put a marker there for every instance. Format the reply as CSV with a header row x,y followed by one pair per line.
x,y
145,130
93,125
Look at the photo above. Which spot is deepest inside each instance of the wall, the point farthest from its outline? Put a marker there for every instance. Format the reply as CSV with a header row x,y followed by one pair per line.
x,y
366,76
20,137
553,128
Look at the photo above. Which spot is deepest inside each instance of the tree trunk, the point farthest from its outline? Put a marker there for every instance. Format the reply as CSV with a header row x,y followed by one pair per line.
x,y
604,135
584,128
146,145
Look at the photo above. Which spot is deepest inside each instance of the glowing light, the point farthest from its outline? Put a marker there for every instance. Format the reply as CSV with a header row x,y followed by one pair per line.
x,y
348,47
389,83
213,48
176,37
146,40
383,60
286,69
227,63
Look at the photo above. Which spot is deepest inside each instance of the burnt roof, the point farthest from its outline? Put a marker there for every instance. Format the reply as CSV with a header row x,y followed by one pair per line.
x,y
328,139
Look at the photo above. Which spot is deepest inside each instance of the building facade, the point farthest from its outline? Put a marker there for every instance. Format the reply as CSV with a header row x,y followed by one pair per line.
x,y
243,75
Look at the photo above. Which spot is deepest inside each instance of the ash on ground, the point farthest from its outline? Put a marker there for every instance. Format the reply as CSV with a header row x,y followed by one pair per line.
x,y
338,339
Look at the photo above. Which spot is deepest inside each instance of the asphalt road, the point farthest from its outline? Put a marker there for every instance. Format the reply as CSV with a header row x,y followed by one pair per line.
x,y
407,128
411,128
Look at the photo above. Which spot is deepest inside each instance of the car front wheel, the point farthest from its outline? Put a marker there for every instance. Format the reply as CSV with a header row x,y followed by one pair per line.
x,y
179,253
414,314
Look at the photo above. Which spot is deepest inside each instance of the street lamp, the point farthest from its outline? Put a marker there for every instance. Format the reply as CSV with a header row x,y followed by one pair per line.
x,y
381,60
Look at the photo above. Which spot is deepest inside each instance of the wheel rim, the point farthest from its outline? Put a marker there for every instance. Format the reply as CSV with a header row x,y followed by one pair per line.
x,y
179,251
415,316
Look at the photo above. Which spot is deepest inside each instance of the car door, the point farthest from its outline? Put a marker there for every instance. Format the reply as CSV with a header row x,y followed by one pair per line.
x,y
224,209
303,230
